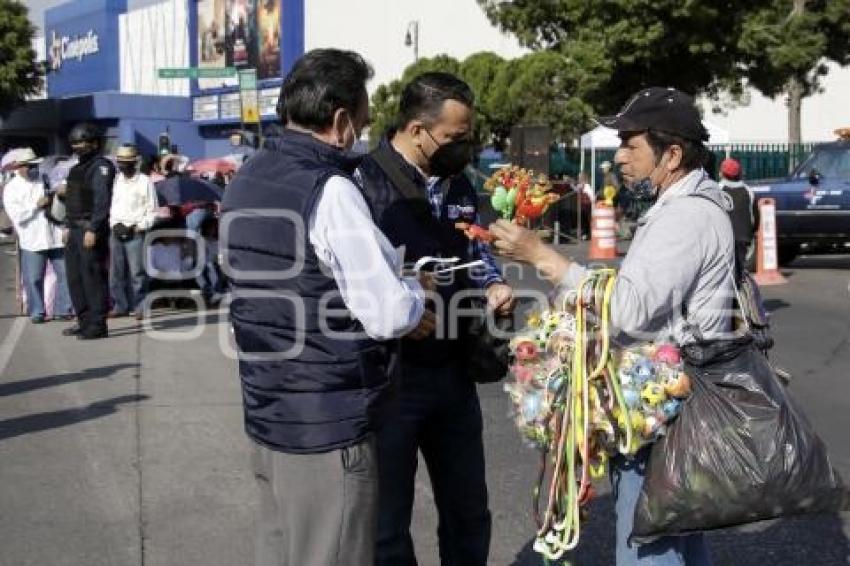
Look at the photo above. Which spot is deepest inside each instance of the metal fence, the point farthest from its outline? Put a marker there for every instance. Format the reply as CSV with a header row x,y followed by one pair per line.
x,y
758,160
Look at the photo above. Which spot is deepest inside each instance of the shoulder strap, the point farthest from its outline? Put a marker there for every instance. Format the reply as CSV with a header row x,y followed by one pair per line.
x,y
418,204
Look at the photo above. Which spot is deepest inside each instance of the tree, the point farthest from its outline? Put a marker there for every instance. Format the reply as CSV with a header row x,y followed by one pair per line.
x,y
20,74
541,88
384,104
699,46
630,44
785,46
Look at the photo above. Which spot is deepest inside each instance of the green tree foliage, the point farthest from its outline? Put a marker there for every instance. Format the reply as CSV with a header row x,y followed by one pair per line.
x,y
20,75
384,103
698,46
785,45
539,88
630,44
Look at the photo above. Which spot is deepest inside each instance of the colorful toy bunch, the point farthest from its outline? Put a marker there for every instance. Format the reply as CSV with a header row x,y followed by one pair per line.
x,y
654,385
516,194
580,401
541,368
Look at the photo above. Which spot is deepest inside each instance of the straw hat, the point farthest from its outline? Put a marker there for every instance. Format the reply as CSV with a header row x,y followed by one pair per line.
x,y
23,156
127,153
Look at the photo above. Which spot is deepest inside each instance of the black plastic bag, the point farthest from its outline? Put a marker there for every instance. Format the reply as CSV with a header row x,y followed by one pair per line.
x,y
740,451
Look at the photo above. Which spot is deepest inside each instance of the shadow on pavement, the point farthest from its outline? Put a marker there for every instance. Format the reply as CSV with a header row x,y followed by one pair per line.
x,y
825,261
818,539
161,324
773,305
38,422
24,386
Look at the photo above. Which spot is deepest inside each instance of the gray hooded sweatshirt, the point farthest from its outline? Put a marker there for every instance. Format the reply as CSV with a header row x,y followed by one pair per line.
x,y
676,282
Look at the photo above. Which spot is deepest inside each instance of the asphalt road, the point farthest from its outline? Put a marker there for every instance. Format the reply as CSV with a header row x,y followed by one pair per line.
x,y
130,450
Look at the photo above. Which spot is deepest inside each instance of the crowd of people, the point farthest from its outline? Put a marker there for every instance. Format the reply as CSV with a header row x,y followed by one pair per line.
x,y
81,227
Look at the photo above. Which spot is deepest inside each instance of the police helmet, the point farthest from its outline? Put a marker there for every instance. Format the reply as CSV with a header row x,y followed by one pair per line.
x,y
84,132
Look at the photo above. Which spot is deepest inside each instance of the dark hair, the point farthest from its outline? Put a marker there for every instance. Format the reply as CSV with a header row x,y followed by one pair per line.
x,y
694,153
320,83
424,96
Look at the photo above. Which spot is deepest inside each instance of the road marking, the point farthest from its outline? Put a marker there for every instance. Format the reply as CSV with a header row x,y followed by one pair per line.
x,y
10,342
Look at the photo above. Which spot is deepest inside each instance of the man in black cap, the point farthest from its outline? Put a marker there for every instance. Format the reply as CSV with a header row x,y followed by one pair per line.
x,y
87,199
676,282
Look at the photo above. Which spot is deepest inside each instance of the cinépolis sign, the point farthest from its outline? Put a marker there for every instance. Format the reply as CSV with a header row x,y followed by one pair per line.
x,y
63,48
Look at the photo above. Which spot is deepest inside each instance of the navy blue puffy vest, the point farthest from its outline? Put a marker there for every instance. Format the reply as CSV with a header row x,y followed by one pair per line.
x,y
334,391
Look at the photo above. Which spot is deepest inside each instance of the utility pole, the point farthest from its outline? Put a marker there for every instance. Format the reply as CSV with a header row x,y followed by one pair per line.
x,y
411,38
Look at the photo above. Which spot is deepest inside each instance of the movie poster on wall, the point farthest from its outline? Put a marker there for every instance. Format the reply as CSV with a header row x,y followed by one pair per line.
x,y
241,32
212,40
268,17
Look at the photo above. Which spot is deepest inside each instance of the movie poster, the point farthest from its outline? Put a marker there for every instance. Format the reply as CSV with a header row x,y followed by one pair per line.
x,y
212,40
268,17
241,32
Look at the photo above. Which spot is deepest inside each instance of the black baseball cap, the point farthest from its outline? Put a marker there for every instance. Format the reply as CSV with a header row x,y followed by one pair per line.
x,y
663,109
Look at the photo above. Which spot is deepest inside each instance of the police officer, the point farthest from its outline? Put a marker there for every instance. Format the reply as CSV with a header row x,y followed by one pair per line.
x,y
87,199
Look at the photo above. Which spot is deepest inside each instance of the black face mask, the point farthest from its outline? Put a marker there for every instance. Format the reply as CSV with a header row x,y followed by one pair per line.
x,y
84,151
128,170
450,158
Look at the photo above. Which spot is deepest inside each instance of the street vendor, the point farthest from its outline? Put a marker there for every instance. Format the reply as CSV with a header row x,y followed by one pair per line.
x,y
676,282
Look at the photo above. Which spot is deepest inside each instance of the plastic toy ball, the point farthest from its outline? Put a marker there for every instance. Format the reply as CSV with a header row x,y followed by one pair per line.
x,y
643,371
526,351
631,398
670,409
652,394
667,354
531,407
680,387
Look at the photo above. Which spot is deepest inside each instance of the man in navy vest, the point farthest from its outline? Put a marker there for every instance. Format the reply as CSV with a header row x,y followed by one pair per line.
x,y
439,412
317,304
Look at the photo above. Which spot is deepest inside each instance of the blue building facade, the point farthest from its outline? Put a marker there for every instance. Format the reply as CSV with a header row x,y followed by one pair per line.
x,y
84,81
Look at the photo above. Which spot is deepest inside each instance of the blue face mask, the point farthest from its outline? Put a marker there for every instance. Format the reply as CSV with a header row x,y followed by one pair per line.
x,y
643,190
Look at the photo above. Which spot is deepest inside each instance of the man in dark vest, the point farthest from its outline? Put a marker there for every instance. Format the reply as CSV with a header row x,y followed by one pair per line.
x,y
88,197
318,302
439,412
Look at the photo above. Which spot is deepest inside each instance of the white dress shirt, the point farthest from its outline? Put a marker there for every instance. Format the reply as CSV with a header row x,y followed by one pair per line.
x,y
134,202
35,232
364,263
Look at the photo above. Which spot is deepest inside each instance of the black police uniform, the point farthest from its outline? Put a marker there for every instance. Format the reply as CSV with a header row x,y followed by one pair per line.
x,y
87,202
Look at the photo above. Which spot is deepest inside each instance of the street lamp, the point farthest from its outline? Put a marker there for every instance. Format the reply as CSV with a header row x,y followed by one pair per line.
x,y
411,38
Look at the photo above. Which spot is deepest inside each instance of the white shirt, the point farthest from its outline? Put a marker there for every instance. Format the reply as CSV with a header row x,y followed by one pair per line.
x,y
134,202
35,232
364,263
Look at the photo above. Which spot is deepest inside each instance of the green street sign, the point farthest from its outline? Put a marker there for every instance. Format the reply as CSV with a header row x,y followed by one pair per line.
x,y
248,79
196,72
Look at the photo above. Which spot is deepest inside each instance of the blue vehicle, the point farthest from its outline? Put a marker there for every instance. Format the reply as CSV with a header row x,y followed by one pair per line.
x,y
813,204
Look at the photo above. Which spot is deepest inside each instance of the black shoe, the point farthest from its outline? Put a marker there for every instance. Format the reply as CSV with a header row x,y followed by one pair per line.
x,y
73,331
92,335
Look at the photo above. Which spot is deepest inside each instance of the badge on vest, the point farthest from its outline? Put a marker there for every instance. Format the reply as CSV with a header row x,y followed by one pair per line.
x,y
104,170
457,211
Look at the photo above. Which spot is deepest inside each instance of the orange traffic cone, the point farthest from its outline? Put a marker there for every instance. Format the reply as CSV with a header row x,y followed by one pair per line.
x,y
603,237
767,260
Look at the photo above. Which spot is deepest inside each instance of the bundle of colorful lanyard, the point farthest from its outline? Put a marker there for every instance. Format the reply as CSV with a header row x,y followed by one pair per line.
x,y
581,400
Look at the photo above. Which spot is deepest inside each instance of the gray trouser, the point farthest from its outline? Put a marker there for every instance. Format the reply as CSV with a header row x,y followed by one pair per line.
x,y
316,509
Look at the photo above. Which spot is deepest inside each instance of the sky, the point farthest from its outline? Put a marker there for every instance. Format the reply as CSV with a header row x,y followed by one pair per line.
x,y
37,8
